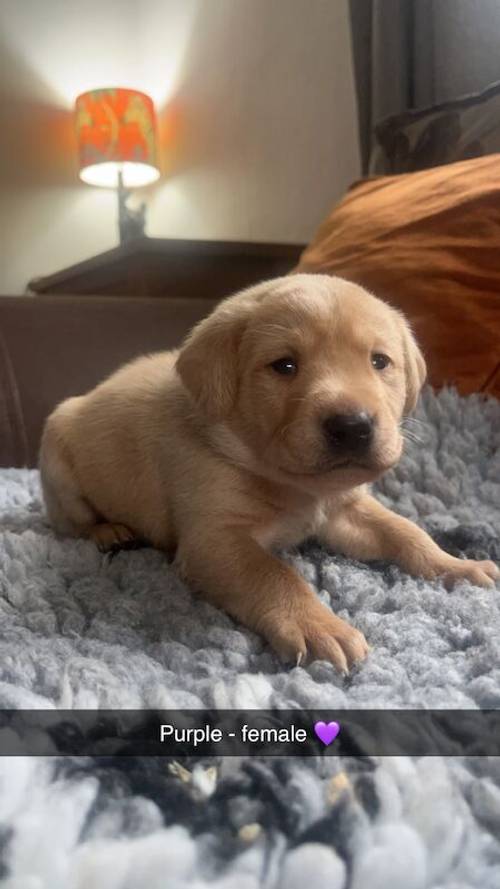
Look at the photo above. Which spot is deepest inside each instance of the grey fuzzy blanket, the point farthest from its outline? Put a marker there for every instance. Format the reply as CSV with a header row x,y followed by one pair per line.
x,y
80,631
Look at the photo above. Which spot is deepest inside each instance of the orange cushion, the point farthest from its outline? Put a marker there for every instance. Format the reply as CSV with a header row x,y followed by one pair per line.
x,y
429,243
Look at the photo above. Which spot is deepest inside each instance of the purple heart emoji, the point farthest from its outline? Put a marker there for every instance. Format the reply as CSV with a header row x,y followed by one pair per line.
x,y
327,731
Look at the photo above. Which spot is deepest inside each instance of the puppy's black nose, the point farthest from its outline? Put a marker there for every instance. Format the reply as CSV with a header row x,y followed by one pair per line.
x,y
349,433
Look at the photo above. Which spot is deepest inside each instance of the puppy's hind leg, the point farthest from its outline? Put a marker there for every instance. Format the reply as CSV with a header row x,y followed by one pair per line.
x,y
67,509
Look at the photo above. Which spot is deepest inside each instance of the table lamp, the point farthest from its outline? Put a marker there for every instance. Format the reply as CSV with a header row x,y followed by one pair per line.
x,y
116,131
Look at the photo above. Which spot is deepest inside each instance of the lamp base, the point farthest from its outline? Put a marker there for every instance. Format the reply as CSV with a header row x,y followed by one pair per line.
x,y
131,223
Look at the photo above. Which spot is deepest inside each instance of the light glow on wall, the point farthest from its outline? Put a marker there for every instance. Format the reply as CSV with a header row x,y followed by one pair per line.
x,y
140,44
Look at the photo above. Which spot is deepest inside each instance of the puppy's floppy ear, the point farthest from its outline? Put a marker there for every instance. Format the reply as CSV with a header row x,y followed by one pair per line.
x,y
415,367
208,362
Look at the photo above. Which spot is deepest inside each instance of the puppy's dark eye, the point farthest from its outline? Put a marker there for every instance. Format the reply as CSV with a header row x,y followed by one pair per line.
x,y
285,366
380,361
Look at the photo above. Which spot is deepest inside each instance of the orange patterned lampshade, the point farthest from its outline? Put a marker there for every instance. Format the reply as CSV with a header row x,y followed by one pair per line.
x,y
116,131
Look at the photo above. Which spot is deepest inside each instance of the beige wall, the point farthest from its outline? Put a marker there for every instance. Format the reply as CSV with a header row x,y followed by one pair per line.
x,y
257,120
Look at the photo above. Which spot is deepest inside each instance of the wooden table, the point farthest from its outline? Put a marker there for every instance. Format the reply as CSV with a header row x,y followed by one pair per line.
x,y
163,267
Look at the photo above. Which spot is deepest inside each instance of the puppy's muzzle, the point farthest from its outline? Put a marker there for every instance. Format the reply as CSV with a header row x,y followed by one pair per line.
x,y
349,434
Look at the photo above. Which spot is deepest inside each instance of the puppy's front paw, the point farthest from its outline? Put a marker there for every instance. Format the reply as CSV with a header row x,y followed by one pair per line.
x,y
317,634
479,573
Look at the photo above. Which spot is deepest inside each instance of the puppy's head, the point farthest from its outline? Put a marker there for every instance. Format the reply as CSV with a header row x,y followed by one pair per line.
x,y
309,376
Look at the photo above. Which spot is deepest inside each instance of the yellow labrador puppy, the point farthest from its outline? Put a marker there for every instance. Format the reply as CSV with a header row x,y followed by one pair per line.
x,y
265,428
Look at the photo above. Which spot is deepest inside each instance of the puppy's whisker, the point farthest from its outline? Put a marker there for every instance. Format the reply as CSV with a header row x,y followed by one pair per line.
x,y
410,434
413,422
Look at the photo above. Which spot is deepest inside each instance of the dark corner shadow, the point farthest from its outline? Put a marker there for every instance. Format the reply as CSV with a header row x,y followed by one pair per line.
x,y
38,141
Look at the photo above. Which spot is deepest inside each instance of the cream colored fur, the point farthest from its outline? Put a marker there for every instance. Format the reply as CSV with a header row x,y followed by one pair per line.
x,y
210,454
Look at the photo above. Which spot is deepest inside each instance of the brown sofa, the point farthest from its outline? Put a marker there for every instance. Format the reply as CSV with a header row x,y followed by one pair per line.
x,y
52,347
